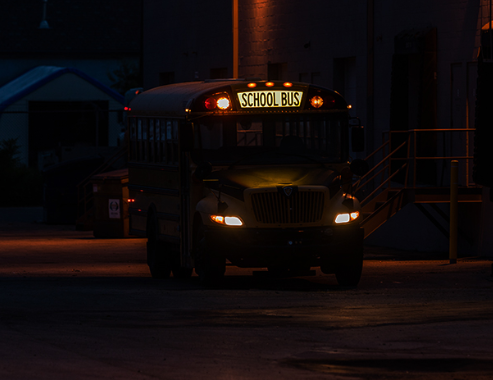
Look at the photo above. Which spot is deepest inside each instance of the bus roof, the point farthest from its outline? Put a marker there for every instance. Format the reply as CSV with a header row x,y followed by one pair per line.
x,y
175,100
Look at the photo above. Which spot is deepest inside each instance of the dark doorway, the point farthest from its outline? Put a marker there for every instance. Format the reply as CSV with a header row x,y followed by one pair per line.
x,y
53,125
413,103
219,73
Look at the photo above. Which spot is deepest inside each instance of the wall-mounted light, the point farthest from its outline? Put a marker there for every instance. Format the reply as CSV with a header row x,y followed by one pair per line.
x,y
44,24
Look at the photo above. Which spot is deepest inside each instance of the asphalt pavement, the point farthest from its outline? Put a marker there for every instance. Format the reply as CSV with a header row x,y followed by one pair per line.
x,y
76,307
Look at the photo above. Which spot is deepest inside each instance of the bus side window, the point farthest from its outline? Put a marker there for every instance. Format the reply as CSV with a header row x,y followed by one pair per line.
x,y
152,150
139,141
175,141
145,156
164,151
169,141
157,137
133,140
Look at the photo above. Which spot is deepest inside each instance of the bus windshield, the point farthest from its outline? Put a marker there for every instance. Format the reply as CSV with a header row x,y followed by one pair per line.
x,y
271,139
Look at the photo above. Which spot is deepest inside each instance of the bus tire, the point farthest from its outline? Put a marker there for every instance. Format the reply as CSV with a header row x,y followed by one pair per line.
x,y
278,271
209,267
158,259
349,274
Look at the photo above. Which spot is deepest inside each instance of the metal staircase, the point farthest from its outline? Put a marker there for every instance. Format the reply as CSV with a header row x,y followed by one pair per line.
x,y
394,181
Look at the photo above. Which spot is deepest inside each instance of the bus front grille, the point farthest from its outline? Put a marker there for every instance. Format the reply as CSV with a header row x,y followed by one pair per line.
x,y
277,208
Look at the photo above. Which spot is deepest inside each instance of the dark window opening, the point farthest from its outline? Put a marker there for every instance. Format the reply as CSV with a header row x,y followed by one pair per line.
x,y
53,125
219,73
166,78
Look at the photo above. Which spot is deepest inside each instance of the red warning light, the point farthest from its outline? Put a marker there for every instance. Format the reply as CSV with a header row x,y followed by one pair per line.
x,y
210,103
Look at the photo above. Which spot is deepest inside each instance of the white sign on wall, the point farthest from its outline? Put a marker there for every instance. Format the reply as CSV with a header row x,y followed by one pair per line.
x,y
114,208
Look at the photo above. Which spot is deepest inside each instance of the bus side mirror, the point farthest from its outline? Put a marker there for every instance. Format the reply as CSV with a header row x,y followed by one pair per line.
x,y
186,137
203,170
357,139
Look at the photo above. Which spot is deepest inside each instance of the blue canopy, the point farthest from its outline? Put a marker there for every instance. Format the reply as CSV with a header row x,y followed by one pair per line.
x,y
38,77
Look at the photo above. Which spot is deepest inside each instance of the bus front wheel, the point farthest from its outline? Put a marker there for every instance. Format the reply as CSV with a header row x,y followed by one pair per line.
x,y
158,259
349,274
209,266
179,271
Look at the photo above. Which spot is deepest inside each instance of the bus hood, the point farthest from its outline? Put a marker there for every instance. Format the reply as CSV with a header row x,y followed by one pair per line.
x,y
234,182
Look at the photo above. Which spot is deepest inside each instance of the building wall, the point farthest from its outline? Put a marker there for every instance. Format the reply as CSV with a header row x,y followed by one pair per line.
x,y
311,39
187,39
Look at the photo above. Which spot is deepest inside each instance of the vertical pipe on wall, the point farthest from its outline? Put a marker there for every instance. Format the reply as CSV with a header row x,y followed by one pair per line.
x,y
370,65
453,212
491,42
235,39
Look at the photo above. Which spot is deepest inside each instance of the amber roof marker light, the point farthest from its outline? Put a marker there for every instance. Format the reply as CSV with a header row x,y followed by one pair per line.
x,y
288,84
252,85
269,84
316,101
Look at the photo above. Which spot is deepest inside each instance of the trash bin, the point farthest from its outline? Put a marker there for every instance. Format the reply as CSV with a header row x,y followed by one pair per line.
x,y
110,192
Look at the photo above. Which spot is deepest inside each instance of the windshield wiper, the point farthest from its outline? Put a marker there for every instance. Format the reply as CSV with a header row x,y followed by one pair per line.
x,y
301,156
248,157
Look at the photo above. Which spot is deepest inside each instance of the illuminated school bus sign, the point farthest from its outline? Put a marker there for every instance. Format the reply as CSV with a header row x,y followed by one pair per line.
x,y
270,99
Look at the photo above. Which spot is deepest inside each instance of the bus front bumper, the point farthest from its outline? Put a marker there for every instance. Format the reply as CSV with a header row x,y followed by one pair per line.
x,y
257,248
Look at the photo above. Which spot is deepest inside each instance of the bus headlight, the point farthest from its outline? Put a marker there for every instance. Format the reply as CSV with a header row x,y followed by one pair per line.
x,y
227,220
347,217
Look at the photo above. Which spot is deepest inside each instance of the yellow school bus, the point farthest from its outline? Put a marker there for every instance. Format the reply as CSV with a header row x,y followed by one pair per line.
x,y
256,173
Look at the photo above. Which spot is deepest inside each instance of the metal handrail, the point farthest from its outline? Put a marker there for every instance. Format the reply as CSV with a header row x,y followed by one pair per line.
x,y
384,183
410,158
380,163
